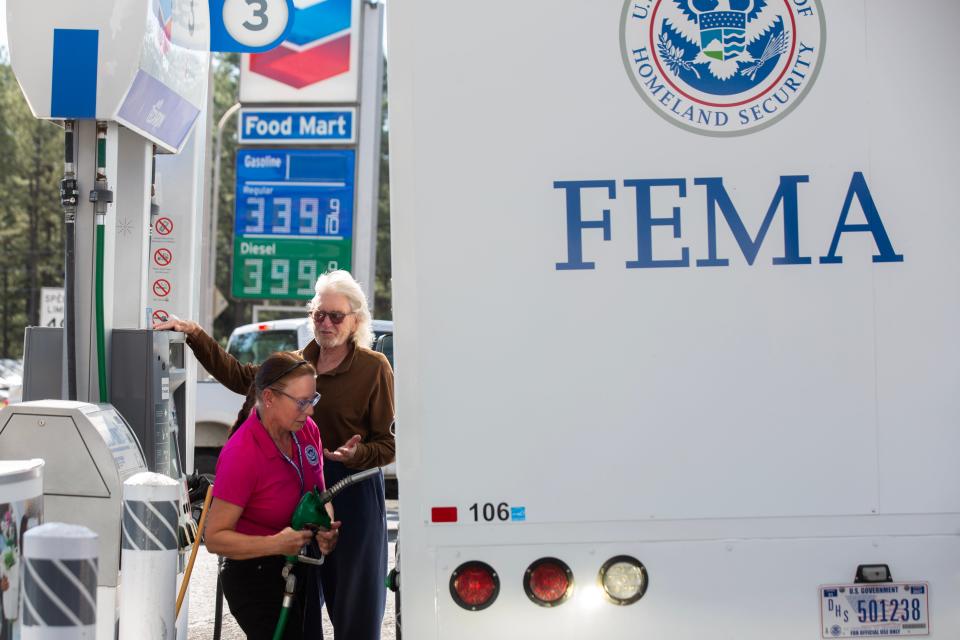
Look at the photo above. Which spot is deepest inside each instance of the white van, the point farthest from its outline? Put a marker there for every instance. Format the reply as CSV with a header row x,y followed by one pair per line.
x,y
217,406
679,350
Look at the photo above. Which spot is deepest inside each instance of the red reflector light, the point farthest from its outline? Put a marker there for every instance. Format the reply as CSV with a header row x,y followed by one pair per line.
x,y
262,327
548,582
474,585
443,514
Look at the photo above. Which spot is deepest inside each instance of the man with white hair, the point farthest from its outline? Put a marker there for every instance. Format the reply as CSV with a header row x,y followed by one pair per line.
x,y
355,414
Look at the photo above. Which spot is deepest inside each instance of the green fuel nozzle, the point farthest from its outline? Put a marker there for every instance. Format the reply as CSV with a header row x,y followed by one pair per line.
x,y
311,511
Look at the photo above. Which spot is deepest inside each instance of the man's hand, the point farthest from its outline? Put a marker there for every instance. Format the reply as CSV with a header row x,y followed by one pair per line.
x,y
344,453
327,539
176,324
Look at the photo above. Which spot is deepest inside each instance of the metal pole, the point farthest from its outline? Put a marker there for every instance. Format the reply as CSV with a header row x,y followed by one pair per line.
x,y
207,279
210,259
368,150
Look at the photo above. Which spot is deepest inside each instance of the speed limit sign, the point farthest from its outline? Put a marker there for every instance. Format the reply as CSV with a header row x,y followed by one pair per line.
x,y
249,26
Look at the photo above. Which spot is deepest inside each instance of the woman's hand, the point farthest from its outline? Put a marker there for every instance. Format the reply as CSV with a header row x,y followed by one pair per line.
x,y
289,542
344,453
327,540
175,324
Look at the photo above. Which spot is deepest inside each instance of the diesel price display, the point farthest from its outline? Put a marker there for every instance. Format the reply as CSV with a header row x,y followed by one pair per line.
x,y
294,220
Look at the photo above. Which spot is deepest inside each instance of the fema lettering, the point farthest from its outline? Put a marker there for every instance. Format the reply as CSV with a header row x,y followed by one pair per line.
x,y
718,205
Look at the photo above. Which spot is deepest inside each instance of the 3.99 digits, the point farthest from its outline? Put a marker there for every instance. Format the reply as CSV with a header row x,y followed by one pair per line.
x,y
276,276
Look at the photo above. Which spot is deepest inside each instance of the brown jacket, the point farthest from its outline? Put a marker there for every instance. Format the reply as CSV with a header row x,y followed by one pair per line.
x,y
355,398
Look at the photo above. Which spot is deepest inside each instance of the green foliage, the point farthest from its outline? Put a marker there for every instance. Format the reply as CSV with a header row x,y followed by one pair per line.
x,y
31,241
383,302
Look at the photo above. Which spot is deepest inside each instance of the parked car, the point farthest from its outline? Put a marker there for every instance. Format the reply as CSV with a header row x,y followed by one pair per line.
x,y
11,381
217,406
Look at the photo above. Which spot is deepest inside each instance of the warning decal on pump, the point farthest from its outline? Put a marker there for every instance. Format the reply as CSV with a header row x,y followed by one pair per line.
x,y
874,610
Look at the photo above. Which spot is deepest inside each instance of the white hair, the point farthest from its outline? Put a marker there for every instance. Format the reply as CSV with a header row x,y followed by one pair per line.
x,y
343,283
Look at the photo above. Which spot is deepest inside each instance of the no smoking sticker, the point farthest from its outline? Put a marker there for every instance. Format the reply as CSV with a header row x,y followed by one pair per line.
x,y
160,316
163,226
163,257
161,288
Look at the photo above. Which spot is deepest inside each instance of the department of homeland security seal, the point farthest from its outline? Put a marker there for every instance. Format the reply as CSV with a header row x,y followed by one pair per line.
x,y
722,67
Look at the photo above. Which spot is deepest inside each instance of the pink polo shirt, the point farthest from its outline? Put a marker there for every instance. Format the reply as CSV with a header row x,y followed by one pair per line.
x,y
253,474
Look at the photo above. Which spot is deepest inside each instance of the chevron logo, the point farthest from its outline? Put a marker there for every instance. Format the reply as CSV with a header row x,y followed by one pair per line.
x,y
318,47
165,17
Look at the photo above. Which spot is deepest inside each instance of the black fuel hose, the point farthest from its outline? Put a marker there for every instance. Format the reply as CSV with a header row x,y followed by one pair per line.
x,y
68,193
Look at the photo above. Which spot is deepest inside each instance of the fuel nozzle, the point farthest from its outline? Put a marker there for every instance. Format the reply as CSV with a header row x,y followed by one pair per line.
x,y
311,513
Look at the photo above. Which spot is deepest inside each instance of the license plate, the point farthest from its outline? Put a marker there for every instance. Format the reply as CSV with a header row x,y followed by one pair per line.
x,y
874,610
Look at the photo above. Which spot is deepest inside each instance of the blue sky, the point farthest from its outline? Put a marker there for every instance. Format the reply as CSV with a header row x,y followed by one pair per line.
x,y
3,23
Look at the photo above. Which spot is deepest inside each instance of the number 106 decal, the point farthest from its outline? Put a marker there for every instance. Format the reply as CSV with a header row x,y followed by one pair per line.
x,y
496,512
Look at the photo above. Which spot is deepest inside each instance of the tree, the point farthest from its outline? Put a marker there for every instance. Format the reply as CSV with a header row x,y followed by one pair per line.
x,y
31,233
384,298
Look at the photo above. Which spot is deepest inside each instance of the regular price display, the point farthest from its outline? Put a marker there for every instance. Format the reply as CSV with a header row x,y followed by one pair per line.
x,y
326,215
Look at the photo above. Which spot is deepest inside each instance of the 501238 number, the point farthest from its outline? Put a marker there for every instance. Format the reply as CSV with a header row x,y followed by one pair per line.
x,y
892,610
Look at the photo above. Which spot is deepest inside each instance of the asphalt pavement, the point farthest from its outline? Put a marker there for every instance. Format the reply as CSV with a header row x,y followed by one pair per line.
x,y
203,587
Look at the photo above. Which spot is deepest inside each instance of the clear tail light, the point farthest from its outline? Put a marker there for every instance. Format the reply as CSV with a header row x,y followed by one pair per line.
x,y
624,579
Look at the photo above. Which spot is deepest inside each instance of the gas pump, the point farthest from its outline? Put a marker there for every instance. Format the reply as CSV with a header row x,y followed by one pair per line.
x,y
126,79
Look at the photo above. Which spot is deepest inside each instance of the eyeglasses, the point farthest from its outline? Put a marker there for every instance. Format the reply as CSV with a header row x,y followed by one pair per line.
x,y
301,404
336,317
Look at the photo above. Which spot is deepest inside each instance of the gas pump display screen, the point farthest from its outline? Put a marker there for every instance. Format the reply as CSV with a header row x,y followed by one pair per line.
x,y
294,220
120,440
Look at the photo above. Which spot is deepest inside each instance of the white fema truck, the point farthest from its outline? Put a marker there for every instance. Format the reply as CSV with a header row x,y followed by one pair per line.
x,y
678,291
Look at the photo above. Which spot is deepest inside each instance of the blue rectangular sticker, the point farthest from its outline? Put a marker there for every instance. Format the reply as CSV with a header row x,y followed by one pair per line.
x,y
297,126
518,514
74,77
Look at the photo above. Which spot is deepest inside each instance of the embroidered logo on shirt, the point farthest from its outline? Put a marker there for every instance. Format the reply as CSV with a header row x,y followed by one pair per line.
x,y
312,456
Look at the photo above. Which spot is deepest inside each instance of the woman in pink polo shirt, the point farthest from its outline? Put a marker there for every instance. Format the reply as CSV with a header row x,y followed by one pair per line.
x,y
270,460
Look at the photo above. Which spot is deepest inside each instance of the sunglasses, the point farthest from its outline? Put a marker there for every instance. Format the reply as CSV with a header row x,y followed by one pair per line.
x,y
301,404
336,317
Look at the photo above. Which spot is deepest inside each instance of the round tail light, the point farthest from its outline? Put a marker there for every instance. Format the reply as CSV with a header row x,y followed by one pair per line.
x,y
548,582
474,585
624,579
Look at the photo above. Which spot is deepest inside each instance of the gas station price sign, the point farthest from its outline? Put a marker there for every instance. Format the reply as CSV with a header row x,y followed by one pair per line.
x,y
294,220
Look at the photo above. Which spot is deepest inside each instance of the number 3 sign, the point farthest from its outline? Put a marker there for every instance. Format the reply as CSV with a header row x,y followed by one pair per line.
x,y
249,26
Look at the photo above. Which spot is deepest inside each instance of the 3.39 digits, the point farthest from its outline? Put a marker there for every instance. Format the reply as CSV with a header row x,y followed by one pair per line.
x,y
291,216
